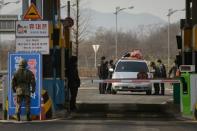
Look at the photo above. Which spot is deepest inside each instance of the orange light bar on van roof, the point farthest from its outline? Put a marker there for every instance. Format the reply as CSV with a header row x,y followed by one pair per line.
x,y
131,58
135,54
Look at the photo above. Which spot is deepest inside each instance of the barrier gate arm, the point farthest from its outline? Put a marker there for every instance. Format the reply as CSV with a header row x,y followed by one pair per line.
x,y
173,81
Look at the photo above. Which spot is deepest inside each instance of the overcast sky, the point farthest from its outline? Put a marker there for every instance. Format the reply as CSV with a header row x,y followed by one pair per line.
x,y
155,7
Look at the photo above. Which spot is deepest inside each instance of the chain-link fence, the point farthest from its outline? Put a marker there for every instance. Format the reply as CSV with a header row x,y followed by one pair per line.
x,y
87,72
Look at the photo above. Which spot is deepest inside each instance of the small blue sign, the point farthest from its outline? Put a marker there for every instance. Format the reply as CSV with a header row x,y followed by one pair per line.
x,y
34,61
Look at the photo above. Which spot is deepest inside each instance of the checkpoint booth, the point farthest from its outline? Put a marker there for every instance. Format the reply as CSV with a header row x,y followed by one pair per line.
x,y
41,30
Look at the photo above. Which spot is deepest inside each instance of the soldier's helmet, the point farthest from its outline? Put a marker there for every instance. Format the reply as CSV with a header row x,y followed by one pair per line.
x,y
22,64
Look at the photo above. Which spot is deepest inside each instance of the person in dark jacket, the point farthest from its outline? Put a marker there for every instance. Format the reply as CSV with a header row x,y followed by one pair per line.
x,y
155,72
73,82
162,70
173,70
101,67
106,70
110,72
102,74
105,75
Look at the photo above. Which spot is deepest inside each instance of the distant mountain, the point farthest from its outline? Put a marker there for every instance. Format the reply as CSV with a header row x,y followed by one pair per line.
x,y
125,20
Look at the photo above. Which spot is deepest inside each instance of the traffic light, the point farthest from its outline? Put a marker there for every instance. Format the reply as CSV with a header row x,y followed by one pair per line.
x,y
179,60
195,37
56,37
187,38
179,41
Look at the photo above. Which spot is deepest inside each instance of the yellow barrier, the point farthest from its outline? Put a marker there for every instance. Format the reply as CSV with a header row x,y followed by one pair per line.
x,y
46,106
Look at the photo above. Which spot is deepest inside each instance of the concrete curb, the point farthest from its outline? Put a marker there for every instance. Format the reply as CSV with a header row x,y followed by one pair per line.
x,y
89,110
91,107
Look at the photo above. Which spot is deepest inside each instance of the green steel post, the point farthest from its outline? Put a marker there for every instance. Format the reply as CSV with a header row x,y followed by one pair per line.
x,y
186,95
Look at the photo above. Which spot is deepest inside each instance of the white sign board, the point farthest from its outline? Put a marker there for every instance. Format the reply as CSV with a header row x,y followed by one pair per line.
x,y
32,28
95,47
32,45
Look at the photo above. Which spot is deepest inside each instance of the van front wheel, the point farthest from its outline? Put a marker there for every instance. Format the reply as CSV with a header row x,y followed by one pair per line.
x,y
114,92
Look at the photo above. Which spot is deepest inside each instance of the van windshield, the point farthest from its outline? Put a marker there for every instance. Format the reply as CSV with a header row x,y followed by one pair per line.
x,y
131,66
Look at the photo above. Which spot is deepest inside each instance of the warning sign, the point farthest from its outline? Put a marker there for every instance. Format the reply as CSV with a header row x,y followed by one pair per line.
x,y
32,13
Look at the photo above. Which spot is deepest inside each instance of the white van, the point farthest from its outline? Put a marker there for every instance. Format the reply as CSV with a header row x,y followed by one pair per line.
x,y
129,68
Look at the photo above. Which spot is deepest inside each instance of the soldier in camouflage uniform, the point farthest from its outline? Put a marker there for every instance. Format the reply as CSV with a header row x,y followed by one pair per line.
x,y
23,84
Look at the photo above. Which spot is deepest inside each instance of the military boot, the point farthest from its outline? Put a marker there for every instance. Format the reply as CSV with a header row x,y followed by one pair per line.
x,y
28,117
18,116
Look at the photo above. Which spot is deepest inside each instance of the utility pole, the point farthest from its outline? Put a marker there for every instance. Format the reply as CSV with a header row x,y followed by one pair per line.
x,y
117,10
116,37
169,38
77,29
1,5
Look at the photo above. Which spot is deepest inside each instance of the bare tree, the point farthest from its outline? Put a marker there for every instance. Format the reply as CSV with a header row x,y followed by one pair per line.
x,y
153,46
80,29
106,40
156,43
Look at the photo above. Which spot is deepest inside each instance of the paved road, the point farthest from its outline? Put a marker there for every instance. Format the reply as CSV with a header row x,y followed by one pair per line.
x,y
88,93
89,99
91,95
124,111
101,125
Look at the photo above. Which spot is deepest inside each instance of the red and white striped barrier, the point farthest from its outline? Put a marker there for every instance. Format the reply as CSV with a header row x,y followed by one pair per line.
x,y
137,81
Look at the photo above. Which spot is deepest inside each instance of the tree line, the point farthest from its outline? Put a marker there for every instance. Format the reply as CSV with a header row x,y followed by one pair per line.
x,y
151,40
